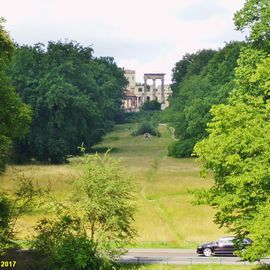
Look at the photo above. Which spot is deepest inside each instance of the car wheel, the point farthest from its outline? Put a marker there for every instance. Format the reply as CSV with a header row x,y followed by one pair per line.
x,y
207,252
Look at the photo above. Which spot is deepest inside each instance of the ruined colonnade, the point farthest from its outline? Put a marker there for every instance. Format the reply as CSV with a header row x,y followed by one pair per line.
x,y
154,77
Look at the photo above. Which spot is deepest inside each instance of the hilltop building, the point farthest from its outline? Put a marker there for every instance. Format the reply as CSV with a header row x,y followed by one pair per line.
x,y
137,93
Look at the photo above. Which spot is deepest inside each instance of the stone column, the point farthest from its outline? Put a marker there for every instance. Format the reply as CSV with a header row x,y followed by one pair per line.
x,y
140,100
162,92
144,91
154,89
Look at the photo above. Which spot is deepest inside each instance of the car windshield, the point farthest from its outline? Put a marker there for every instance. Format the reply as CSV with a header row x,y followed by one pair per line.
x,y
226,240
230,240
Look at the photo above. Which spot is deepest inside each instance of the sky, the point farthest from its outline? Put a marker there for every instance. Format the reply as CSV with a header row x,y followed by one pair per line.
x,y
144,35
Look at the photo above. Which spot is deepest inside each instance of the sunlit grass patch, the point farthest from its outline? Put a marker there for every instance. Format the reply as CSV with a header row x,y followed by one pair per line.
x,y
165,216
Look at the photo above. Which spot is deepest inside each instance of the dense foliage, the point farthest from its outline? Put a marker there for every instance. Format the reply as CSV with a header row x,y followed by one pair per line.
x,y
75,98
200,80
97,223
152,105
146,127
14,115
104,195
237,149
255,17
5,216
14,119
63,244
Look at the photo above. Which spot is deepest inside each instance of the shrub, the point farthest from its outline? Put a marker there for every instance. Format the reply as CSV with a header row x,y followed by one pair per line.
x,y
131,117
11,207
65,245
146,127
75,252
5,216
181,148
104,195
152,105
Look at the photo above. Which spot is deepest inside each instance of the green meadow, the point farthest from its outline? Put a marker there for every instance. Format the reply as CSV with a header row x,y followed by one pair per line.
x,y
165,216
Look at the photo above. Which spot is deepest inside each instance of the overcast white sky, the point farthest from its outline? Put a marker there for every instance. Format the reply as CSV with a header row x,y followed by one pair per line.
x,y
144,35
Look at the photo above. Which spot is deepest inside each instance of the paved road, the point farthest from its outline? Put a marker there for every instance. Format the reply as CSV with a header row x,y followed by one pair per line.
x,y
177,256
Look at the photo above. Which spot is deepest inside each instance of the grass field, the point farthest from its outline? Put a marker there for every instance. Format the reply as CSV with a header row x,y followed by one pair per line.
x,y
165,216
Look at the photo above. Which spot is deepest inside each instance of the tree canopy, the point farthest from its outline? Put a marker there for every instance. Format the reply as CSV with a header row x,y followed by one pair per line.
x,y
200,80
14,114
74,96
255,17
237,148
104,195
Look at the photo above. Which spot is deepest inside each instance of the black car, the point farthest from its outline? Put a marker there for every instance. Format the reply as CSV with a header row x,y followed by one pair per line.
x,y
224,246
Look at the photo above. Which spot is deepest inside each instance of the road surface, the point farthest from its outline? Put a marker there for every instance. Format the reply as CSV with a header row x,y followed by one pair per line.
x,y
178,256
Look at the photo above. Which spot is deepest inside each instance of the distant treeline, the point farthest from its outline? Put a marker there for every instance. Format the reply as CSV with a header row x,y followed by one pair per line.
x,y
200,80
75,98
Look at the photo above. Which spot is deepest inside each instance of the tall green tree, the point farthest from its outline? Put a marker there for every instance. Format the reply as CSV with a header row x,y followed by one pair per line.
x,y
96,224
237,148
104,195
255,17
75,98
14,115
200,80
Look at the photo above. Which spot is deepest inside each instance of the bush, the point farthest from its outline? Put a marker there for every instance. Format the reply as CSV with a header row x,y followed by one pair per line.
x,y
5,216
146,127
104,195
181,148
11,207
65,245
152,105
130,117
75,252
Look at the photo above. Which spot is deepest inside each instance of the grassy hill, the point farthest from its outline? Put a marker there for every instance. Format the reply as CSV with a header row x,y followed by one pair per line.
x,y
165,216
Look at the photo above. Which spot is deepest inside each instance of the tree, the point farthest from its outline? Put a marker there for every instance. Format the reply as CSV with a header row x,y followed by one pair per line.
x,y
104,195
14,115
237,155
237,148
255,17
200,81
75,98
96,225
